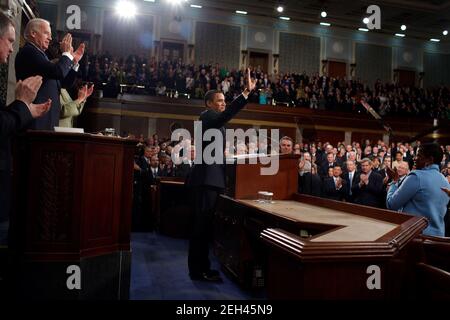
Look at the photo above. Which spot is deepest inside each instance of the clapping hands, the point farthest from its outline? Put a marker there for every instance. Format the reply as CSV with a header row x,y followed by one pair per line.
x,y
84,92
392,174
66,46
364,179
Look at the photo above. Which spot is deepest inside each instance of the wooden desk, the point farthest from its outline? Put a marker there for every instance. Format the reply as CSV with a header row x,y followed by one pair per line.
x,y
344,227
72,207
303,247
314,248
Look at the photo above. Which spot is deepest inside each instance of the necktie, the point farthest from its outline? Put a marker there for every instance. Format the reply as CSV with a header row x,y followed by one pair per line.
x,y
350,177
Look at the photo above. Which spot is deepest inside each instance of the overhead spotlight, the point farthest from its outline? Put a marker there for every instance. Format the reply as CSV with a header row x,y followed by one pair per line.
x,y
403,27
363,29
366,20
285,18
176,2
445,32
126,9
196,6
323,14
241,12
326,24
401,35
435,40
280,9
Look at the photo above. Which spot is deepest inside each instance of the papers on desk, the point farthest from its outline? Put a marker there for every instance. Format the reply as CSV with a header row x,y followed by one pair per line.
x,y
71,130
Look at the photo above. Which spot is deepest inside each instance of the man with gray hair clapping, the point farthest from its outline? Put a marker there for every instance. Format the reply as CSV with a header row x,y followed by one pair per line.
x,y
32,60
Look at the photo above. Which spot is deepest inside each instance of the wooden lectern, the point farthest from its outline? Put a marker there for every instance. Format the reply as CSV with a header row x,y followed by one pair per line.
x,y
72,216
303,247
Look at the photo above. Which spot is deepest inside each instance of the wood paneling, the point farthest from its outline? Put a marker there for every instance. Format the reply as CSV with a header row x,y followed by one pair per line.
x,y
331,136
406,77
78,195
245,180
337,69
259,59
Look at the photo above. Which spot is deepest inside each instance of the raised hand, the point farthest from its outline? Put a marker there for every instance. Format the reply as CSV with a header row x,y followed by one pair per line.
x,y
392,174
27,89
82,94
89,91
78,54
301,164
251,83
66,43
364,179
38,110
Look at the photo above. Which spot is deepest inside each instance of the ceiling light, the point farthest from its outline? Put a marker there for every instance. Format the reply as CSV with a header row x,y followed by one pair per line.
x,y
366,20
285,18
126,9
325,24
280,9
363,29
323,14
445,32
196,6
435,40
241,12
403,27
400,35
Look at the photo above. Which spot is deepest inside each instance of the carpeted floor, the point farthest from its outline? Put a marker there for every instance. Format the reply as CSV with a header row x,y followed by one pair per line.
x,y
159,271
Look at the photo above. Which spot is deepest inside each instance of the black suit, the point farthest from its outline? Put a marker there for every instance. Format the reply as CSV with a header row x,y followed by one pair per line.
x,y
142,202
323,170
183,170
207,182
350,184
370,194
30,61
310,184
13,119
331,192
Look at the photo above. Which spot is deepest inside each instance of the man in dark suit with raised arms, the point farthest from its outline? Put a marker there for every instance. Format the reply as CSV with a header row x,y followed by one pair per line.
x,y
208,181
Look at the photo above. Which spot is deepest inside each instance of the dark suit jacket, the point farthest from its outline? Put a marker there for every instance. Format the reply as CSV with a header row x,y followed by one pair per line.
x,y
213,175
144,174
324,166
370,194
330,191
13,119
30,61
183,170
346,176
310,184
383,175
